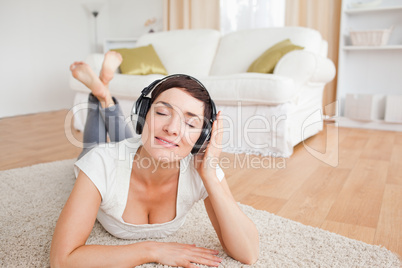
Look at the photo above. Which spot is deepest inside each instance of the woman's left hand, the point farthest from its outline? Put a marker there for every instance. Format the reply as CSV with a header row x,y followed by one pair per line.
x,y
206,162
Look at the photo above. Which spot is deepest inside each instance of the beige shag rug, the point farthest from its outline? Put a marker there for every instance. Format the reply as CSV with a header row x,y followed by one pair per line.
x,y
31,199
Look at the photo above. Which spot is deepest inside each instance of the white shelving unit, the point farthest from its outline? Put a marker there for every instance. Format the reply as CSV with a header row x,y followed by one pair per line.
x,y
375,9
388,47
370,69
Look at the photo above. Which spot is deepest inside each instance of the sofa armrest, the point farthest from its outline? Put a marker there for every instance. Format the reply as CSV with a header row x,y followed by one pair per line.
x,y
306,67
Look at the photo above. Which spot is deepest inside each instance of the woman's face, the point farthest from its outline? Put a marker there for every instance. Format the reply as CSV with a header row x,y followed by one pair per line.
x,y
173,125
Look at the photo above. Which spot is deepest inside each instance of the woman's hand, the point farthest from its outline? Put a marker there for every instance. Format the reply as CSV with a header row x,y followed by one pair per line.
x,y
206,162
175,254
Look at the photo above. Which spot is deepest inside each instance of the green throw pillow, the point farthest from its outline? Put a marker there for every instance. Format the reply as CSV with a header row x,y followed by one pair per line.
x,y
140,61
267,61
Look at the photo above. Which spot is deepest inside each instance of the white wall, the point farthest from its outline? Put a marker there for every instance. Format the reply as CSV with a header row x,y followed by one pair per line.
x,y
39,39
127,18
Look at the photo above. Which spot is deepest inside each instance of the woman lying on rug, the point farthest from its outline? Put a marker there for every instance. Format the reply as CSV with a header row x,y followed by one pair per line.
x,y
144,189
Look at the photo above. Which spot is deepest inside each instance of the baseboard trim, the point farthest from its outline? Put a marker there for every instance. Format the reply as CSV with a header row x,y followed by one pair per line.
x,y
378,125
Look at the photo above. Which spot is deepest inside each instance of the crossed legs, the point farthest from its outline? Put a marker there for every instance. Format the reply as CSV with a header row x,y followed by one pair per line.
x,y
104,112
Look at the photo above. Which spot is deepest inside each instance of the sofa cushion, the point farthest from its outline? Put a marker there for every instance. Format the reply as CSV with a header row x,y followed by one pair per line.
x,y
239,49
250,89
247,88
184,51
267,61
141,61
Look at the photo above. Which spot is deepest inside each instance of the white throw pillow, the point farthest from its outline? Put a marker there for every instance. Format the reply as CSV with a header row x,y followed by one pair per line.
x,y
184,51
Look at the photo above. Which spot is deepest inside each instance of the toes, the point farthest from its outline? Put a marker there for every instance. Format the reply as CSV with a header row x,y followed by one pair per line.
x,y
76,64
118,55
114,54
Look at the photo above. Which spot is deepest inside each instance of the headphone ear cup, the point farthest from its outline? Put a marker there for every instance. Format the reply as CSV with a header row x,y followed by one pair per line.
x,y
205,136
142,114
202,141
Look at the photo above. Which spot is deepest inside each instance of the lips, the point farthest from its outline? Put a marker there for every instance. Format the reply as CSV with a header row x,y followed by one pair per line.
x,y
165,142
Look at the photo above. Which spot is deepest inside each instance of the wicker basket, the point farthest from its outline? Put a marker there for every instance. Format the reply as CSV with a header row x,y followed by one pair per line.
x,y
370,37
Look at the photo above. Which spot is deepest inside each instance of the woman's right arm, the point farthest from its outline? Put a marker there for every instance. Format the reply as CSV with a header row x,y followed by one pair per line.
x,y
75,224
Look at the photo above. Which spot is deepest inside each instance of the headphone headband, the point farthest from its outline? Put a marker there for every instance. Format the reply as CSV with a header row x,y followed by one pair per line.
x,y
156,83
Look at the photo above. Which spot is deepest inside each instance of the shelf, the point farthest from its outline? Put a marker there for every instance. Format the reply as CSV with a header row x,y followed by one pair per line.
x,y
393,47
374,9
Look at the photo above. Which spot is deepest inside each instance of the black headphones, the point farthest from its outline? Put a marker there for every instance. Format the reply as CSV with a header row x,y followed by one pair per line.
x,y
143,103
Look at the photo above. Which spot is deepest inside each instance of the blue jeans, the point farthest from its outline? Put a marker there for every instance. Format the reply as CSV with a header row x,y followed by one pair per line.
x,y
101,122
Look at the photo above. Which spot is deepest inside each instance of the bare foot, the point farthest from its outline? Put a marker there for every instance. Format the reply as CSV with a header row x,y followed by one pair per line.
x,y
83,73
111,62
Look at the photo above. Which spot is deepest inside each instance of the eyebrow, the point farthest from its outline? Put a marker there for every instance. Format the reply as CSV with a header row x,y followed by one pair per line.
x,y
186,113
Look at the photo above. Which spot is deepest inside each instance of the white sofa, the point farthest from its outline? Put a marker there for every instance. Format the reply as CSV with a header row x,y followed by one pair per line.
x,y
265,114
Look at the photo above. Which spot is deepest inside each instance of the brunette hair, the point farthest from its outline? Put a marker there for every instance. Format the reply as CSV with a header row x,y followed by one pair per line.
x,y
189,85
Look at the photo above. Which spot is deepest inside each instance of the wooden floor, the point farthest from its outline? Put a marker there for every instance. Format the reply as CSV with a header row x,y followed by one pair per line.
x,y
359,196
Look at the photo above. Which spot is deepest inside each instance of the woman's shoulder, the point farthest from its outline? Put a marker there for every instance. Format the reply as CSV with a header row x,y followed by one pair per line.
x,y
114,151
104,157
102,162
